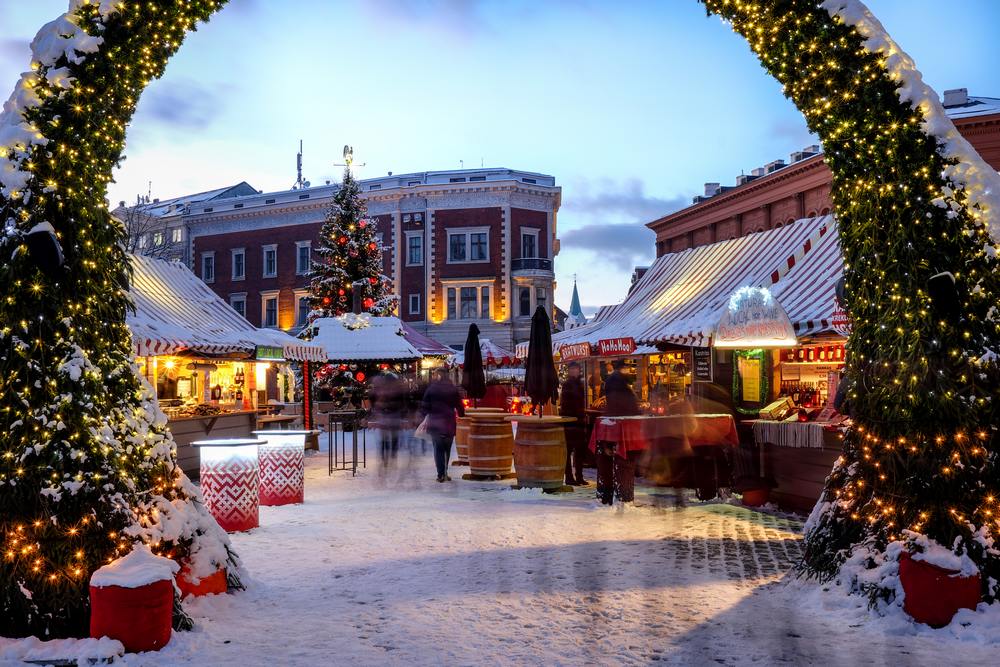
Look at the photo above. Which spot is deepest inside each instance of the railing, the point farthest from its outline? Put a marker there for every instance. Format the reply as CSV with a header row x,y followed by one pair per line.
x,y
531,264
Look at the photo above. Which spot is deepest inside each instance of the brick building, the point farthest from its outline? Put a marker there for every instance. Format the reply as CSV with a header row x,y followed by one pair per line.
x,y
471,245
779,193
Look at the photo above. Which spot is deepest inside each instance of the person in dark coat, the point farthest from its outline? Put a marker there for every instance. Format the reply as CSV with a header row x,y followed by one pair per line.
x,y
440,405
388,404
573,403
615,472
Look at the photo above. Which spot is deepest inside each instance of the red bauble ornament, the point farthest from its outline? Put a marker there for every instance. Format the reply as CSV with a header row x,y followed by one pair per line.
x,y
343,367
342,240
326,301
341,292
362,224
359,376
368,303
371,246
373,281
353,253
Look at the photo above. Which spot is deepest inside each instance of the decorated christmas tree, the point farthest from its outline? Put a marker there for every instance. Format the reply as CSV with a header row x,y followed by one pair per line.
x,y
87,465
350,259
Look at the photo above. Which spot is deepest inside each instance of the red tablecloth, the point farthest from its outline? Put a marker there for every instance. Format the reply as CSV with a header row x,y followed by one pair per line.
x,y
681,431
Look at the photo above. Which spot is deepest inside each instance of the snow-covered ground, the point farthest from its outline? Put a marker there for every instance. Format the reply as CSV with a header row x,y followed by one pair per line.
x,y
398,569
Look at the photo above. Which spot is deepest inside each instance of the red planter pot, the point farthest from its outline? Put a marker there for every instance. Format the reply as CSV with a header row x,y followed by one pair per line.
x,y
756,497
934,594
137,617
212,584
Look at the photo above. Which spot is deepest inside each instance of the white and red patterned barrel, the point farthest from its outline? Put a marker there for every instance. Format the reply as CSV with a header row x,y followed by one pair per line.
x,y
230,481
282,466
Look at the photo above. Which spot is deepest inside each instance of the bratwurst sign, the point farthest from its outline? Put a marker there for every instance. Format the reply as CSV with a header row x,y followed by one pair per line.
x,y
753,318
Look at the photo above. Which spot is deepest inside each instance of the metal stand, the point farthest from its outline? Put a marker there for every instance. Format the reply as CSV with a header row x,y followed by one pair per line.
x,y
339,423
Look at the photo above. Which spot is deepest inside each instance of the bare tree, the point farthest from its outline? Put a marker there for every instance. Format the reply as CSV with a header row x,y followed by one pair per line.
x,y
148,234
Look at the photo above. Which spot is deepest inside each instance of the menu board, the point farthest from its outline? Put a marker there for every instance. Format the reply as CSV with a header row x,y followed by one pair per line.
x,y
749,370
702,357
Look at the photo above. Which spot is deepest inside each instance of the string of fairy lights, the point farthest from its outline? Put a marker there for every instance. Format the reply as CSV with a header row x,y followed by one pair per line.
x,y
80,465
919,456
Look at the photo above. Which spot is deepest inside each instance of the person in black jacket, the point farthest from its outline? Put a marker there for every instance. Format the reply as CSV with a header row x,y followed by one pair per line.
x,y
621,402
616,469
573,403
440,405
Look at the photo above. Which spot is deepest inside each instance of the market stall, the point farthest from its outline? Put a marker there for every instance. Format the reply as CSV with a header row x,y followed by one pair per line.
x,y
213,372
700,312
503,378
435,354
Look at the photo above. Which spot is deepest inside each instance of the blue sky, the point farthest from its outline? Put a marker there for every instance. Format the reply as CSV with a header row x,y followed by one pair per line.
x,y
632,106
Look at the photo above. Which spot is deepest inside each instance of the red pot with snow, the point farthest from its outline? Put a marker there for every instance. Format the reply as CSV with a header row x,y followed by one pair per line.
x,y
935,594
756,497
132,600
208,585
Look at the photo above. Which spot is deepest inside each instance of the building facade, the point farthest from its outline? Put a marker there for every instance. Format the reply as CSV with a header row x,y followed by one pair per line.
x,y
779,193
463,246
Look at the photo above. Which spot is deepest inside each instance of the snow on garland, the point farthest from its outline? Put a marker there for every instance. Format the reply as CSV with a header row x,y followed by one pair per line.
x,y
970,173
354,321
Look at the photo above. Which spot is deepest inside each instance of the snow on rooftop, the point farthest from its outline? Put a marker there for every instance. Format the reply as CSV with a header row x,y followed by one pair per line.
x,y
363,338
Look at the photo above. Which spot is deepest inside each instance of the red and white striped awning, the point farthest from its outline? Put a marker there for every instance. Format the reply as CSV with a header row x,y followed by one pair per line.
x,y
681,297
176,312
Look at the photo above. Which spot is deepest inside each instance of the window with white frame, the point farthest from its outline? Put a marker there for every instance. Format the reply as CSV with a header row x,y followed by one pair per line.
x,y
414,249
269,309
270,261
414,304
176,235
239,263
157,239
529,243
468,301
143,241
302,307
239,303
303,257
468,245
208,266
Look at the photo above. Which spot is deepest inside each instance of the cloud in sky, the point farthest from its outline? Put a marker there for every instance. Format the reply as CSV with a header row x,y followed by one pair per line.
x,y
15,51
187,105
619,200
621,245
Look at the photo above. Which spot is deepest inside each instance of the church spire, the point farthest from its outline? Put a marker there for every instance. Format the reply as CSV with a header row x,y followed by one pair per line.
x,y
576,316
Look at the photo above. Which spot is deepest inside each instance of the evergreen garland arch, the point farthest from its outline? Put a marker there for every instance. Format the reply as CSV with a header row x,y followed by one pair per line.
x,y
84,459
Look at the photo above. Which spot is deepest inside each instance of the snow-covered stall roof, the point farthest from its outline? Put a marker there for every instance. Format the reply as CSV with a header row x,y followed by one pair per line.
x,y
363,338
176,312
681,297
426,345
493,355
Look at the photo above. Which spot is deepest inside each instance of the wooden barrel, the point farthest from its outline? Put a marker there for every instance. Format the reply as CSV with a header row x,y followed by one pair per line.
x,y
462,440
491,445
540,452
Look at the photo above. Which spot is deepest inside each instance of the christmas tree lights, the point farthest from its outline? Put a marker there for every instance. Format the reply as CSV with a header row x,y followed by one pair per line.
x,y
87,466
915,205
349,254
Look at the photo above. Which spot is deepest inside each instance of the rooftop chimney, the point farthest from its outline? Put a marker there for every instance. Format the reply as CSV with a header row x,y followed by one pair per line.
x,y
772,167
956,97
758,172
711,189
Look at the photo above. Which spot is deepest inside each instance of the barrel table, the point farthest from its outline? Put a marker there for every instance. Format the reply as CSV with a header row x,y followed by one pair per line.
x,y
491,445
540,451
282,466
462,433
230,481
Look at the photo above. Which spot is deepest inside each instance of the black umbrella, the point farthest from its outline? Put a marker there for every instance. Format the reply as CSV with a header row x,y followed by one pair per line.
x,y
540,379
473,375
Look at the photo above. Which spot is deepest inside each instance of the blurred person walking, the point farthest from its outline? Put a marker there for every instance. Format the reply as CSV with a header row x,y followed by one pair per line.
x,y
616,469
441,407
573,403
388,401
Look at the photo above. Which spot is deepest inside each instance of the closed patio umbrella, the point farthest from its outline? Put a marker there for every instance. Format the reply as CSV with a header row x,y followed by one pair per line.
x,y
473,375
540,379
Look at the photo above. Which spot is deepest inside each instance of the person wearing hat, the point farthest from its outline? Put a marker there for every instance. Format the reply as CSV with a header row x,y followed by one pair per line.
x,y
573,403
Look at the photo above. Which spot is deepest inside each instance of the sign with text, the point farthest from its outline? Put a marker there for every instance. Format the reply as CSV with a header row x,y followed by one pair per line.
x,y
615,347
702,357
269,353
839,321
753,318
574,351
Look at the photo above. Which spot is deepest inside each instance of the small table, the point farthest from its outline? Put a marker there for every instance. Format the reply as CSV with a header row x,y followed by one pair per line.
x,y
264,421
230,481
282,466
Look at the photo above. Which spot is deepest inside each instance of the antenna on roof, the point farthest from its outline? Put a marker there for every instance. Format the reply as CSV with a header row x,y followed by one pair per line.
x,y
149,192
300,182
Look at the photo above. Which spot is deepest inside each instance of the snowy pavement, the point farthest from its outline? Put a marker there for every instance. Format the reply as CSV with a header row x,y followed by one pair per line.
x,y
398,569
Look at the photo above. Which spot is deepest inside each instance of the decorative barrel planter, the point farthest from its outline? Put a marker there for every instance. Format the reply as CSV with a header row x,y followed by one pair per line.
x,y
491,445
282,463
540,451
935,594
213,584
230,481
462,432
132,600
